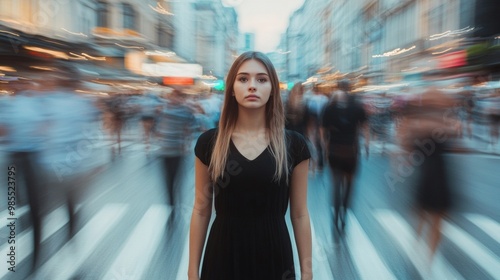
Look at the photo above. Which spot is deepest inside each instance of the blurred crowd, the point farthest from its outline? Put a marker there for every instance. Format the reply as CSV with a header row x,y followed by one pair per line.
x,y
413,125
59,131
469,106
54,126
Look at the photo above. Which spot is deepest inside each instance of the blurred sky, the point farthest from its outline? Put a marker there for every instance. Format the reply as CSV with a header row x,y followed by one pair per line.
x,y
268,19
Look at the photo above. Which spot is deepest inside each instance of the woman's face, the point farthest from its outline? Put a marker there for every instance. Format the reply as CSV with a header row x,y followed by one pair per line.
x,y
252,87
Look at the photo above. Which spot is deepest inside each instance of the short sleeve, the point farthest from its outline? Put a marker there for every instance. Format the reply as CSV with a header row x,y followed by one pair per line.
x,y
204,146
298,148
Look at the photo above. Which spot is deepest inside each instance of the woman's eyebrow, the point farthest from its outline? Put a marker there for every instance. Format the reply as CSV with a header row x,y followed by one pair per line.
x,y
245,73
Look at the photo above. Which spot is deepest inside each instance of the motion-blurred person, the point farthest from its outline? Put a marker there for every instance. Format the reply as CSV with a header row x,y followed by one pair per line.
x,y
380,119
174,129
343,119
295,110
211,105
114,120
69,159
431,123
316,104
148,107
468,103
494,116
24,125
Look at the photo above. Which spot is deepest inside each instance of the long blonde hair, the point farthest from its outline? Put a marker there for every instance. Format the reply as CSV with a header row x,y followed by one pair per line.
x,y
275,120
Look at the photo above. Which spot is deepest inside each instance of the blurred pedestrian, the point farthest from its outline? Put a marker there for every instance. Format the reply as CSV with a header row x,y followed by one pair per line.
x,y
380,119
295,110
316,104
211,104
175,122
251,168
24,125
468,105
432,124
149,103
343,120
69,158
115,116
494,116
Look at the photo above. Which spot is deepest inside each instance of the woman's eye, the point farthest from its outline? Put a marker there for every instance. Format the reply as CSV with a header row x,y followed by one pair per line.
x,y
243,79
262,80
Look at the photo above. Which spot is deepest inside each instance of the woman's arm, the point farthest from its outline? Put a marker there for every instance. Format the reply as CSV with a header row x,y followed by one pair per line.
x,y
300,218
200,218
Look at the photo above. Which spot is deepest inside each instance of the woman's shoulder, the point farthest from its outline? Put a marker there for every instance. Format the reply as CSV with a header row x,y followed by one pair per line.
x,y
294,138
208,135
298,149
204,145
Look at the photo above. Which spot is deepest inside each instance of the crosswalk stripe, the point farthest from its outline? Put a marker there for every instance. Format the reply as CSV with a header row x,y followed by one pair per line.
x,y
140,245
183,267
474,249
54,221
71,256
320,257
488,225
365,256
403,234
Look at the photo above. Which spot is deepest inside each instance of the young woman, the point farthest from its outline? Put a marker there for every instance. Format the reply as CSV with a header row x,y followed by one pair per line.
x,y
250,167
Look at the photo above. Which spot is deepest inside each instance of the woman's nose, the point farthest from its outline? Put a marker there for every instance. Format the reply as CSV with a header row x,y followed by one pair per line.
x,y
251,86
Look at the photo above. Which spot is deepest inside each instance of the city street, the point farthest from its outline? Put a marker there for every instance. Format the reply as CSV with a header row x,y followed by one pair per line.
x,y
101,101
126,231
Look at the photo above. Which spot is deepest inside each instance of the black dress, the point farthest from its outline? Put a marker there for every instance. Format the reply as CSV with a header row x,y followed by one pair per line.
x,y
249,238
433,186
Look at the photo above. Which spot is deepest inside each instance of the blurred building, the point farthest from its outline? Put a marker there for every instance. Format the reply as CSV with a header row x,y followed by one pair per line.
x,y
216,35
381,39
246,42
306,40
128,33
278,58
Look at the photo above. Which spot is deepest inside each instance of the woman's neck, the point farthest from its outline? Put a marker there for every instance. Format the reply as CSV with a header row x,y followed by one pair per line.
x,y
250,121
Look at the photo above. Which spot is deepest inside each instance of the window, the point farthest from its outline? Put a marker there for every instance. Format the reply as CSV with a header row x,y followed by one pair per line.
x,y
128,17
436,20
102,14
164,36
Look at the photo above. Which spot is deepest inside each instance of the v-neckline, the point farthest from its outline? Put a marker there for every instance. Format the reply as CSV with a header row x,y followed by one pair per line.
x,y
247,159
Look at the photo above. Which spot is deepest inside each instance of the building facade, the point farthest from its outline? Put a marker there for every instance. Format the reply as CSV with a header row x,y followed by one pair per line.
x,y
376,38
191,31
